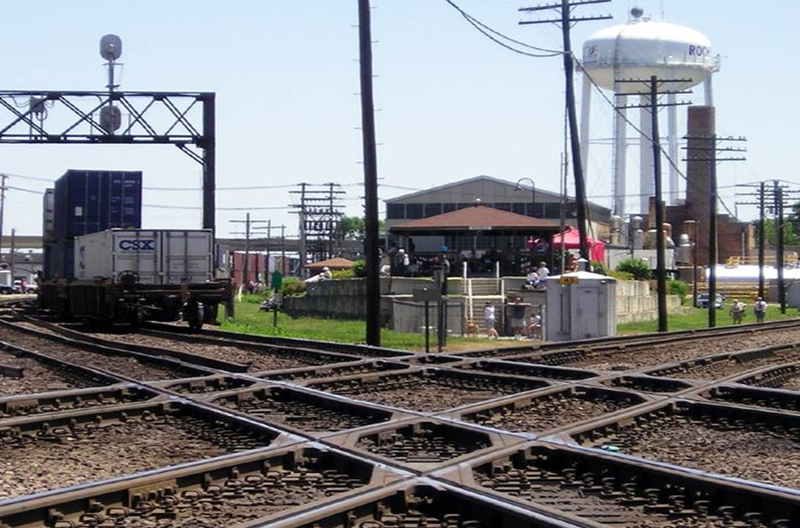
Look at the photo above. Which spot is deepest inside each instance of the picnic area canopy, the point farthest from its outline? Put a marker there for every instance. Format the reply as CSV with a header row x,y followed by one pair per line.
x,y
570,239
336,263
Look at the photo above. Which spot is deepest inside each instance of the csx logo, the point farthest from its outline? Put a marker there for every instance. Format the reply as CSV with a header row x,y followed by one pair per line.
x,y
137,245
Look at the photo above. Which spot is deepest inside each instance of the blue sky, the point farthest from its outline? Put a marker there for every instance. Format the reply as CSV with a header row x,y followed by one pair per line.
x,y
452,104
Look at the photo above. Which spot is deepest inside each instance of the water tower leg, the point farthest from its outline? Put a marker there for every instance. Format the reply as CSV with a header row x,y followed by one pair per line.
x,y
586,105
672,145
646,183
620,154
709,92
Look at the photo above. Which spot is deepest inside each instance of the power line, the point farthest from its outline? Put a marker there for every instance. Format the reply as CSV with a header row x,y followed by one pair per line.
x,y
490,33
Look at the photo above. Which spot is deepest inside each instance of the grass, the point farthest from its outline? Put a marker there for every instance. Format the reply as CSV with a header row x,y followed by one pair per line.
x,y
249,320
698,318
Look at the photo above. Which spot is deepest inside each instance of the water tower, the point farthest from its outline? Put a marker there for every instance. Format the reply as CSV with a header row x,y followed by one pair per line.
x,y
638,50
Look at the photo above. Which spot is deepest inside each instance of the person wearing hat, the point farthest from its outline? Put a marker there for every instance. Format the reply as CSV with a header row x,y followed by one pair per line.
x,y
737,311
326,274
760,309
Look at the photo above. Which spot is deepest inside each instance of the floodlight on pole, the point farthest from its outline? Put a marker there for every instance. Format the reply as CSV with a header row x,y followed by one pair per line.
x,y
110,50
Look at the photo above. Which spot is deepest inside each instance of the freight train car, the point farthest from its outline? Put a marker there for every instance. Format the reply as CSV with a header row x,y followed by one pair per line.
x,y
133,275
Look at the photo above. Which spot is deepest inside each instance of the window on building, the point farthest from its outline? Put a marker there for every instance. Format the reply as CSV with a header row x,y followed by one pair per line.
x,y
520,208
449,207
503,206
395,211
414,211
433,209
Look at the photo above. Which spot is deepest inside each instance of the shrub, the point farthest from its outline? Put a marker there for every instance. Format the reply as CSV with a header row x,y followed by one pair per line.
x,y
640,269
621,275
343,274
360,268
598,267
292,286
678,287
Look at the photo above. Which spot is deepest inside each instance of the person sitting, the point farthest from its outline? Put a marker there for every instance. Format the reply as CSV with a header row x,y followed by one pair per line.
x,y
531,280
535,327
543,272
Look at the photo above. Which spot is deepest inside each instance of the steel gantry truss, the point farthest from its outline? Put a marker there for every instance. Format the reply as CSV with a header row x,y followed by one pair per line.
x,y
182,119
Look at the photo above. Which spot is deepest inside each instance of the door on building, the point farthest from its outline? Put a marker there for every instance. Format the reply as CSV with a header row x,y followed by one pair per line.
x,y
588,313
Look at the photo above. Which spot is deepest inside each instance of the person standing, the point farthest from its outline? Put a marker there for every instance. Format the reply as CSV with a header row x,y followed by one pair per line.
x,y
490,320
535,327
737,311
543,272
518,309
760,309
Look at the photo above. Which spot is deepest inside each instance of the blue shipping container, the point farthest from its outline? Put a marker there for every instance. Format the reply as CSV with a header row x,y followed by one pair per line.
x,y
88,201
59,260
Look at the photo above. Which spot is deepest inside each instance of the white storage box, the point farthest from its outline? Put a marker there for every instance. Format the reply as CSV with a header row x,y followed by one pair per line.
x,y
167,256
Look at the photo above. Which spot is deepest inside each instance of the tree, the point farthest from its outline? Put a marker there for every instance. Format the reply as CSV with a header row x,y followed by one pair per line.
x,y
790,232
354,227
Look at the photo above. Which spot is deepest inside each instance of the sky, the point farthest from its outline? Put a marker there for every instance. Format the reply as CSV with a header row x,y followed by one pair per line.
x,y
451,104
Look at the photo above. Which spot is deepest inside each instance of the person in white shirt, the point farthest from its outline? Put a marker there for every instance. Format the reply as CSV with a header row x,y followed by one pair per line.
x,y
531,280
543,272
535,327
760,309
489,320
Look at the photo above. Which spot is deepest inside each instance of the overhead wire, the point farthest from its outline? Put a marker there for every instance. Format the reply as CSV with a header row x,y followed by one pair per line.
x,y
493,35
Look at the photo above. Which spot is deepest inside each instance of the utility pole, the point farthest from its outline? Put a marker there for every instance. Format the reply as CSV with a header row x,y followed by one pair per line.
x,y
247,231
761,194
654,86
565,21
370,176
709,155
11,256
283,250
3,178
779,261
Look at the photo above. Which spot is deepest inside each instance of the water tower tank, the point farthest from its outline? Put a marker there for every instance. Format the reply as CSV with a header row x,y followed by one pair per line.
x,y
643,48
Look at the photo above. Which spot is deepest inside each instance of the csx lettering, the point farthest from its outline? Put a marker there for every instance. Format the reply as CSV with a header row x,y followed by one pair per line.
x,y
137,245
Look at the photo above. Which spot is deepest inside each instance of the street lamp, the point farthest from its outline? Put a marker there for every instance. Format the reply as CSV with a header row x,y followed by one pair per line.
x,y
533,191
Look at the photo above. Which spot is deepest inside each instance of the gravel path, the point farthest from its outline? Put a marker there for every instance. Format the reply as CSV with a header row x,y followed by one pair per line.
x,y
763,455
38,377
53,462
124,365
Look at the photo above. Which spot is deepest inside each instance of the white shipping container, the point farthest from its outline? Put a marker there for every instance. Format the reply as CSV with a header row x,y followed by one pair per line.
x,y
166,256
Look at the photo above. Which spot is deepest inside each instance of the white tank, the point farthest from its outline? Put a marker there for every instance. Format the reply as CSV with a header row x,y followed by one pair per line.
x,y
643,48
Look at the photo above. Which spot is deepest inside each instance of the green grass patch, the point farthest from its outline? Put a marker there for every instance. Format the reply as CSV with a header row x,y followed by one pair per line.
x,y
249,320
698,318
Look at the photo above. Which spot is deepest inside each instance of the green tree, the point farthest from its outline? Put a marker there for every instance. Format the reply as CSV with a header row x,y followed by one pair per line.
x,y
355,227
790,232
640,269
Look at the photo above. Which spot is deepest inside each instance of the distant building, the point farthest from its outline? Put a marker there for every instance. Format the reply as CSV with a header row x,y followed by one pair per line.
x,y
490,192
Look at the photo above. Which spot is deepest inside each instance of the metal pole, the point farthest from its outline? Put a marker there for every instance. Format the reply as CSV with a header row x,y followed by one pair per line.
x,y
779,234
712,238
373,307
208,145
427,326
246,265
267,278
577,166
761,242
661,271
695,245
283,249
11,258
3,178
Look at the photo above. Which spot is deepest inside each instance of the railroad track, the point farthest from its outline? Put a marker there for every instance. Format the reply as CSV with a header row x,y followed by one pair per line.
x,y
166,429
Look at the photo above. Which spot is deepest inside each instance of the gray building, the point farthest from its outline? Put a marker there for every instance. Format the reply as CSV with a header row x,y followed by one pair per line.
x,y
491,192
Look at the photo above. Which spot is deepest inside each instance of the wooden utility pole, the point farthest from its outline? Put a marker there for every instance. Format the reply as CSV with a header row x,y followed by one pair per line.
x,y
247,231
779,260
11,255
654,87
762,220
373,308
709,155
3,178
565,21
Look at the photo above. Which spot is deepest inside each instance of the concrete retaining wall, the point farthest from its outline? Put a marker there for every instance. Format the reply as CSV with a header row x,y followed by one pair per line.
x,y
408,316
635,302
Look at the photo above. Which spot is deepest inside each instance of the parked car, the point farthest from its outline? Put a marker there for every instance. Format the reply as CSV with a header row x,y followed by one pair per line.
x,y
7,290
702,301
30,288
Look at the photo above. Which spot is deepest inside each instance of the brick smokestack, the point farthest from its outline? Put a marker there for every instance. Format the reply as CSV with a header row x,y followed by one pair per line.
x,y
701,124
